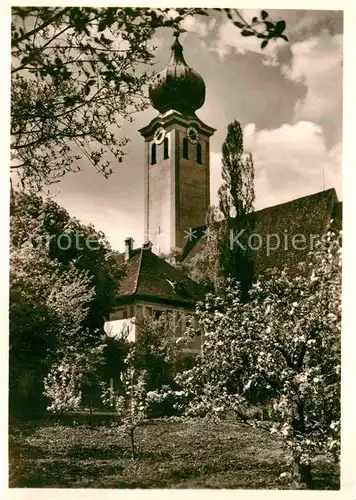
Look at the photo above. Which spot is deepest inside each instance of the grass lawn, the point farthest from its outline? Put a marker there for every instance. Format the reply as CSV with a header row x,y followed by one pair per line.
x,y
193,454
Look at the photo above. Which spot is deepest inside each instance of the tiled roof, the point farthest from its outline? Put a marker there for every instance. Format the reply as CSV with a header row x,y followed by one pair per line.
x,y
306,216
148,277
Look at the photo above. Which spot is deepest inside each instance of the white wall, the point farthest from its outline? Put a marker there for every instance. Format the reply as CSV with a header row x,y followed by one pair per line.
x,y
121,328
123,320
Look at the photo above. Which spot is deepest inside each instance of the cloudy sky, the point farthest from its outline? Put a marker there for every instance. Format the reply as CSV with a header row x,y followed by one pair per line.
x,y
287,97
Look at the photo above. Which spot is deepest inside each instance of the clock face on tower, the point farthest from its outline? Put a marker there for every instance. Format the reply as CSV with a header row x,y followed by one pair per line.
x,y
193,135
159,135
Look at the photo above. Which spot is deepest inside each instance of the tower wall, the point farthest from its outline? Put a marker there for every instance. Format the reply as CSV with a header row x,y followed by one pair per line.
x,y
177,190
193,191
159,195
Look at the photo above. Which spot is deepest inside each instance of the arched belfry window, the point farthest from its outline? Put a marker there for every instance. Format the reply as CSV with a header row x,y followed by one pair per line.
x,y
165,148
199,153
153,154
185,148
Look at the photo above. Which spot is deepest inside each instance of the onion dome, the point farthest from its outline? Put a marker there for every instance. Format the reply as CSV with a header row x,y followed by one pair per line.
x,y
178,86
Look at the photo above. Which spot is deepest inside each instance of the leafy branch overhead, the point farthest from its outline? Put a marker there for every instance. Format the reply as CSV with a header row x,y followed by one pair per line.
x,y
78,73
263,27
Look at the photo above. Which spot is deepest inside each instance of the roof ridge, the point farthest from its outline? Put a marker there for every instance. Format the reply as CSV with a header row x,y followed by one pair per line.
x,y
294,199
138,271
329,191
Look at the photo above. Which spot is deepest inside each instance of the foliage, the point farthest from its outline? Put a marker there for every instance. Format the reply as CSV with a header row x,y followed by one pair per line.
x,y
220,258
236,202
79,373
77,378
155,350
44,224
47,308
136,371
115,352
236,194
75,77
63,280
78,73
156,353
282,346
263,28
205,266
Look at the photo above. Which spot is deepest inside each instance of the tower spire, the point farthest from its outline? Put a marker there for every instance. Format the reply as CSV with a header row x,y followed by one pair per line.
x,y
177,86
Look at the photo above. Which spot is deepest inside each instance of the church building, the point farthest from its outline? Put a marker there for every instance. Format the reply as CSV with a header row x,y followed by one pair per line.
x,y
177,198
177,173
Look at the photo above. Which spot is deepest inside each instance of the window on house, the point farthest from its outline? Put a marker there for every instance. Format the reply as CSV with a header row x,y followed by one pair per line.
x,y
139,311
179,323
165,148
148,311
158,314
185,148
131,311
199,152
124,313
118,314
153,154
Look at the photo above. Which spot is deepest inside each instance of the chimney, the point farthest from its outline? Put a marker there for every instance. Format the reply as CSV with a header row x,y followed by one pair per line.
x,y
128,247
147,245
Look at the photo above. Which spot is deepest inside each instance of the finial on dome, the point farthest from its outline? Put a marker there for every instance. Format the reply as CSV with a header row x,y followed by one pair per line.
x,y
176,44
178,86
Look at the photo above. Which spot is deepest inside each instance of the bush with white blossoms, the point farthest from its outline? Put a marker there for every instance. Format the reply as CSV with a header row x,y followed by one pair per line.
x,y
64,383
280,348
62,387
175,399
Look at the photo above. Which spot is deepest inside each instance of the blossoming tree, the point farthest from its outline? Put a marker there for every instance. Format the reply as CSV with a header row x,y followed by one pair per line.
x,y
47,308
283,347
130,401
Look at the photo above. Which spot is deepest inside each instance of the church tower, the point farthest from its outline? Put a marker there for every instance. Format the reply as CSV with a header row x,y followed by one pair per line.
x,y
177,190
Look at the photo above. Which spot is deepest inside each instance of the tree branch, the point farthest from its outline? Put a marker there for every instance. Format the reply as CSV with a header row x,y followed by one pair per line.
x,y
286,357
44,25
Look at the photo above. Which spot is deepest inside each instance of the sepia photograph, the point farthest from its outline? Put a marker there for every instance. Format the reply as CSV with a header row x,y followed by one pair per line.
x,y
175,248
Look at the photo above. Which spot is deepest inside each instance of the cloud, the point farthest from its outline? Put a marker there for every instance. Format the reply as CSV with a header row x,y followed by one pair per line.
x,y
229,39
117,224
317,63
199,25
290,162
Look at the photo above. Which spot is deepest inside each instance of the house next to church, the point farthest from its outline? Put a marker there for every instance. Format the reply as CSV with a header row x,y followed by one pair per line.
x,y
149,288
177,197
176,201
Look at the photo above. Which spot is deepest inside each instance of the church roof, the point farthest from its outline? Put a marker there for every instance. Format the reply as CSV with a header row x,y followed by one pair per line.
x,y
306,216
149,277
